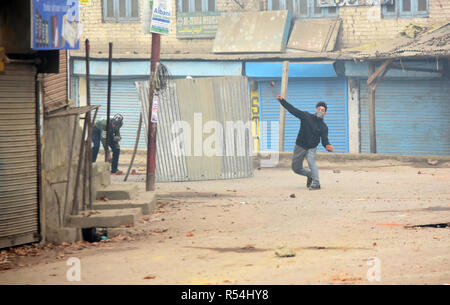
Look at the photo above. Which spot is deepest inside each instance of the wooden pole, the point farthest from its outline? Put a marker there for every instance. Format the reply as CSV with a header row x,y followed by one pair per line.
x,y
108,101
151,135
284,87
372,126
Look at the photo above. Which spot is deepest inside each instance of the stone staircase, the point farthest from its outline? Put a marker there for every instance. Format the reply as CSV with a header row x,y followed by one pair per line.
x,y
116,205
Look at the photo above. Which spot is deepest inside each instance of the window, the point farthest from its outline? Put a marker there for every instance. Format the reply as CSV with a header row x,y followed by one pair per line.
x,y
120,10
303,8
406,8
192,6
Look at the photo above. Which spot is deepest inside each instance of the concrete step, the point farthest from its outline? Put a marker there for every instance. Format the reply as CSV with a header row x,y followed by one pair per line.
x,y
146,201
104,218
118,192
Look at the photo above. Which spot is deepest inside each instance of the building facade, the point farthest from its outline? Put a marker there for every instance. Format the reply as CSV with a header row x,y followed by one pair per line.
x,y
335,75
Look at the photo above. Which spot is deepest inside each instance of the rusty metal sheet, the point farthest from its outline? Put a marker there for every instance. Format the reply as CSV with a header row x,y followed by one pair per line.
x,y
314,35
252,32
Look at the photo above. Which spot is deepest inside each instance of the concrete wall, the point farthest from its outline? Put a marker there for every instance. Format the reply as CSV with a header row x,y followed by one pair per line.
x,y
57,145
361,25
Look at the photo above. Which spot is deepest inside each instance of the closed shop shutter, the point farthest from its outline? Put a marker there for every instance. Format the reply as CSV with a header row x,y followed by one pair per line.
x,y
55,85
304,95
18,157
124,100
412,117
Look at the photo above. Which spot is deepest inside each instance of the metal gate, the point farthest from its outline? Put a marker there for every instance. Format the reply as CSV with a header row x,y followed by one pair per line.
x,y
412,117
18,156
304,94
124,100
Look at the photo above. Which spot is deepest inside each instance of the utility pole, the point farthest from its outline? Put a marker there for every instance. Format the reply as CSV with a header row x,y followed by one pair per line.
x,y
151,140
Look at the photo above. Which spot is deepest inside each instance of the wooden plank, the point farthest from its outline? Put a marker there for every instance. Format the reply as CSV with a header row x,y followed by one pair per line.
x,y
284,87
372,127
373,76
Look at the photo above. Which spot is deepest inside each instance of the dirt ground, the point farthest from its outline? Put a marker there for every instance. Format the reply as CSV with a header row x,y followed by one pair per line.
x,y
226,232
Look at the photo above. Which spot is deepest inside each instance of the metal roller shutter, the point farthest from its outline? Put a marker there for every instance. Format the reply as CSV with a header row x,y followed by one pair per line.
x,y
18,157
412,117
124,100
55,85
304,94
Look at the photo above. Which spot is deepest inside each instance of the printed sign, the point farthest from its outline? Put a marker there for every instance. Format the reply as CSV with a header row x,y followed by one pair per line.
x,y
55,25
197,24
155,103
161,15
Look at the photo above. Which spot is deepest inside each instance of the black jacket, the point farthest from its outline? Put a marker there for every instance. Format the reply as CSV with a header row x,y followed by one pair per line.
x,y
312,129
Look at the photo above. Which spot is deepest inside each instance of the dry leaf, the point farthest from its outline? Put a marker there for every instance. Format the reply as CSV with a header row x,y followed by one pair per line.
x,y
149,277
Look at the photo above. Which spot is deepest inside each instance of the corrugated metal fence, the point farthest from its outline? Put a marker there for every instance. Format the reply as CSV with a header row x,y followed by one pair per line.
x,y
204,129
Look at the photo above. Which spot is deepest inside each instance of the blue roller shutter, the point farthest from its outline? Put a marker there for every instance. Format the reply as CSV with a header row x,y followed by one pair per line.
x,y
412,117
304,94
124,100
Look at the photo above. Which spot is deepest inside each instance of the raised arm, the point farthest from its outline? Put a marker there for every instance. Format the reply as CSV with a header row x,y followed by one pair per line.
x,y
292,110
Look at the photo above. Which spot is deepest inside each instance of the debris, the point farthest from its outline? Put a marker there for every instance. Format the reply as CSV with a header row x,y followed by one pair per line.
x,y
118,173
336,171
284,251
160,230
248,247
374,244
142,169
432,162
243,202
149,277
419,172
412,30
104,198
89,213
345,278
190,234
292,195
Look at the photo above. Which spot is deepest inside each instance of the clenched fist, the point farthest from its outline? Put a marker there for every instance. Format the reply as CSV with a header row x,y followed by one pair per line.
x,y
329,147
279,98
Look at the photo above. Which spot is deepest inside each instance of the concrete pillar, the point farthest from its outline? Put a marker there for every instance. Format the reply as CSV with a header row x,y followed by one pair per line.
x,y
353,115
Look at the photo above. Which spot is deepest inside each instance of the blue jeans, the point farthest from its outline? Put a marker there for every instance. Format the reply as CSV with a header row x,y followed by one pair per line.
x,y
297,163
115,148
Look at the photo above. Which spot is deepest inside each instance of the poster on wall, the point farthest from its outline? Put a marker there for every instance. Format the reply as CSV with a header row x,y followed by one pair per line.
x,y
85,2
329,3
161,15
55,25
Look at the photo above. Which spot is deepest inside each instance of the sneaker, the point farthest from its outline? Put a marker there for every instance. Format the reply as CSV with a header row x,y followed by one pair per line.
x,y
308,182
314,186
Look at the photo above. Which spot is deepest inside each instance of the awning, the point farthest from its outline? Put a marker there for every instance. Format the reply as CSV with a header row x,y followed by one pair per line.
x,y
296,69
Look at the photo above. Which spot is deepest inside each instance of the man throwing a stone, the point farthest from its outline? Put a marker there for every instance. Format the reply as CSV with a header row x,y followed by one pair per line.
x,y
312,130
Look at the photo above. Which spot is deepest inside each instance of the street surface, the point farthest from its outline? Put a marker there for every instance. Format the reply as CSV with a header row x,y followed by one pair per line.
x,y
226,232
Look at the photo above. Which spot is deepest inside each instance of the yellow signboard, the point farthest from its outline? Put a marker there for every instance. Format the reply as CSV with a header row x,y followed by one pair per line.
x,y
254,115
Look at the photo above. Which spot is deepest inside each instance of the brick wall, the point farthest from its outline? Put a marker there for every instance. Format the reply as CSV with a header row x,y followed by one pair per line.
x,y
129,39
365,24
360,25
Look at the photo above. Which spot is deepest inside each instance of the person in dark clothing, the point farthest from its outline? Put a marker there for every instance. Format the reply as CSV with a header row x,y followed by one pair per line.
x,y
312,130
99,134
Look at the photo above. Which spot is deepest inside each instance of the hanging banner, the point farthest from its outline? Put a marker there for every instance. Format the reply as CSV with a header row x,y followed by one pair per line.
x,y
55,25
161,15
